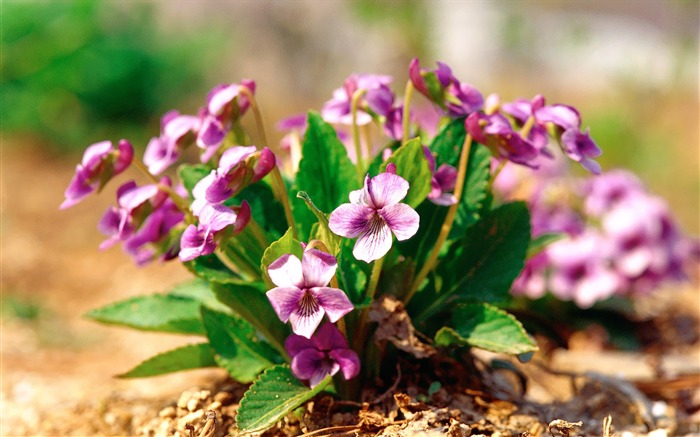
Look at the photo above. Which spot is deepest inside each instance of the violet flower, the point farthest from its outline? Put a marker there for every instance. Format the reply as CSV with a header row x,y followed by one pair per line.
x,y
322,355
153,239
495,132
442,88
163,151
442,182
378,99
225,103
215,222
302,296
374,214
100,163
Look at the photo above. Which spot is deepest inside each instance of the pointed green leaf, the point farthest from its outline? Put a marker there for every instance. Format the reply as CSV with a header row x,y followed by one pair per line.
x,y
272,396
211,269
250,302
320,230
540,243
325,170
486,327
236,346
482,265
158,312
412,165
265,209
199,290
448,142
475,190
193,356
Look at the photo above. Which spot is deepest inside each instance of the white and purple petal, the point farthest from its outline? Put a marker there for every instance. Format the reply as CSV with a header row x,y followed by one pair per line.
x,y
401,219
333,301
286,271
349,220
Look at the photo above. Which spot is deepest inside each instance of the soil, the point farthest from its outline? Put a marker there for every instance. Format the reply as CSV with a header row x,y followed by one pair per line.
x,y
57,368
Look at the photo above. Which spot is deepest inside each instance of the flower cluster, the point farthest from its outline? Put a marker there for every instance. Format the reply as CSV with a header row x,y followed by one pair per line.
x,y
621,240
420,206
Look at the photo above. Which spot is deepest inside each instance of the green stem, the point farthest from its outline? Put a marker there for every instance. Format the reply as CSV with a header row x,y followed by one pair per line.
x,y
374,278
406,111
495,174
278,186
355,101
236,265
258,233
447,224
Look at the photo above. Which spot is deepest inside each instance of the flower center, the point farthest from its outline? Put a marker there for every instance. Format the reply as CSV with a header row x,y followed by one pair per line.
x,y
376,224
308,304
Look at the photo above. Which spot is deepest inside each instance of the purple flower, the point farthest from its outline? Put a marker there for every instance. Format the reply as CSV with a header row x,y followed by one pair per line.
x,y
378,99
580,270
100,163
215,222
442,88
495,132
225,103
302,296
373,214
153,239
610,188
119,222
443,181
165,150
238,167
323,355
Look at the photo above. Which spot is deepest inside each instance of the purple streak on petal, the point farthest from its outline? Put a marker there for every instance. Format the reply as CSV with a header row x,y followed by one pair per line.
x,y
349,220
374,241
333,301
401,219
195,243
286,271
285,300
304,321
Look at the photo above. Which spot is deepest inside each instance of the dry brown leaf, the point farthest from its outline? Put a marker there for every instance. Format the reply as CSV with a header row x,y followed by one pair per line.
x,y
394,325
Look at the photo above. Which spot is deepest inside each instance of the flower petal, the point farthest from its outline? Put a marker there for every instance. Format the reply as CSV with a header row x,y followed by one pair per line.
x,y
348,361
374,240
286,271
304,322
386,189
349,220
318,268
306,362
401,219
334,302
284,300
296,343
329,337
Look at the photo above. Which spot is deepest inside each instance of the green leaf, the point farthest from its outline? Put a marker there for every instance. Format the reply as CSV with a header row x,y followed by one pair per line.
x,y
320,230
352,274
486,327
249,301
265,209
447,144
236,346
540,243
481,266
158,312
272,396
211,269
191,174
475,190
193,356
285,245
199,290
412,165
325,170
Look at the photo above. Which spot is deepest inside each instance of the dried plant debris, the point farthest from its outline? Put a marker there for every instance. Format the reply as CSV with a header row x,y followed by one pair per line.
x,y
394,325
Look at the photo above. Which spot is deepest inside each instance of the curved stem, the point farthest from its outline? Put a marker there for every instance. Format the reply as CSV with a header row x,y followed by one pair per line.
x,y
407,111
354,102
495,174
447,224
236,266
277,182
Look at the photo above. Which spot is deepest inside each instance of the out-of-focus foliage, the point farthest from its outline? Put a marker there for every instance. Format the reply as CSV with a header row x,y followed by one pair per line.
x,y
77,71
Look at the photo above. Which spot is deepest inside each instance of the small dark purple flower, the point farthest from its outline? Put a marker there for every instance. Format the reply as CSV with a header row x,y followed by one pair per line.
x,y
495,132
302,296
163,151
374,214
225,103
442,88
215,222
378,99
322,355
100,163
443,181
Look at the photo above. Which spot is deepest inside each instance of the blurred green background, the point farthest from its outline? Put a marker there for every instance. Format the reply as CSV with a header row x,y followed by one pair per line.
x,y
77,72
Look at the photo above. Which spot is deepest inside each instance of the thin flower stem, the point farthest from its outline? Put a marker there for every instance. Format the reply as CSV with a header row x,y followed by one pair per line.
x,y
374,278
258,233
524,132
367,141
495,174
447,224
356,130
527,127
407,111
234,265
369,295
277,182
182,204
